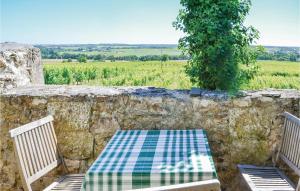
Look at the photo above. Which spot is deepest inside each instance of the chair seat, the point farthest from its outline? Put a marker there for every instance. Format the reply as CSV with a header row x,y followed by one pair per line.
x,y
265,178
68,182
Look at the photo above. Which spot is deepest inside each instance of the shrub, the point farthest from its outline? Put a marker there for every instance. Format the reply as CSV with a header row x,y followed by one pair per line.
x,y
284,74
57,76
82,59
120,82
105,73
66,75
78,76
90,73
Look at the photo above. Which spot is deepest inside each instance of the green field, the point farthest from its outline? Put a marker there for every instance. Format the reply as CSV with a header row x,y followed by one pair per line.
x,y
272,74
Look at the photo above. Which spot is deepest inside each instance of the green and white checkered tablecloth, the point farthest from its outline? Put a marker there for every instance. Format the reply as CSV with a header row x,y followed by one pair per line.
x,y
149,158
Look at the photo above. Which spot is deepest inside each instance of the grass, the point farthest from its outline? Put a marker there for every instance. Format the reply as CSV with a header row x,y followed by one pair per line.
x,y
272,74
276,74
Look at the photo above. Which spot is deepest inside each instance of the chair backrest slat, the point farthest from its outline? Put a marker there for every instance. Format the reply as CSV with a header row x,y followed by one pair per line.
x,y
288,138
20,151
45,149
50,151
50,145
295,148
51,148
283,140
28,161
32,151
36,148
41,148
290,148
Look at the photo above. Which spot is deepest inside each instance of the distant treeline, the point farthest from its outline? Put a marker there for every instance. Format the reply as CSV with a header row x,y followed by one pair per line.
x,y
280,56
48,53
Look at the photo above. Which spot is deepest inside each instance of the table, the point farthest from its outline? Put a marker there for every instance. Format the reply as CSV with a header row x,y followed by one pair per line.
x,y
135,159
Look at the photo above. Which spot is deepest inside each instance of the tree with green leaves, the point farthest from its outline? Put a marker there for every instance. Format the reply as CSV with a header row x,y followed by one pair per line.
x,y
217,43
82,59
164,57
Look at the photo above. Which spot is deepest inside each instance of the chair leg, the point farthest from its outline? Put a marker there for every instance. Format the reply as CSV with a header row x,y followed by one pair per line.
x,y
65,168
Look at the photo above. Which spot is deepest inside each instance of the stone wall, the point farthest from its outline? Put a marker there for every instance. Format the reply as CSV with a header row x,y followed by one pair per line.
x,y
244,129
19,65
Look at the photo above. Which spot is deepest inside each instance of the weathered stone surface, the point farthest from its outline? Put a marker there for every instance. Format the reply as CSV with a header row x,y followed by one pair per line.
x,y
245,129
19,65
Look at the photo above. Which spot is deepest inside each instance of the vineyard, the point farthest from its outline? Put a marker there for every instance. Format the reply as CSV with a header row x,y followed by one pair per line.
x,y
170,74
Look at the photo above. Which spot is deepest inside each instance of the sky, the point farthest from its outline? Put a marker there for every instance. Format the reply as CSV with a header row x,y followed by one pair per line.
x,y
130,21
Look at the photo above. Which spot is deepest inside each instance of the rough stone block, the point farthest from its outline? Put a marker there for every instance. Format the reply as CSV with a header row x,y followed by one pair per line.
x,y
20,65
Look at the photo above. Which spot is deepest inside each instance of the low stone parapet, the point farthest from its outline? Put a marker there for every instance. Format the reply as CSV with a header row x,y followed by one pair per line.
x,y
244,129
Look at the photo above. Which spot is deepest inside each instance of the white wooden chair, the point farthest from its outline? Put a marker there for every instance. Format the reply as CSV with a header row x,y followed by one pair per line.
x,y
271,178
37,154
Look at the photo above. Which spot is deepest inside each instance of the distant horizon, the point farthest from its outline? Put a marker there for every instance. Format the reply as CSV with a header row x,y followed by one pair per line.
x,y
130,22
131,44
